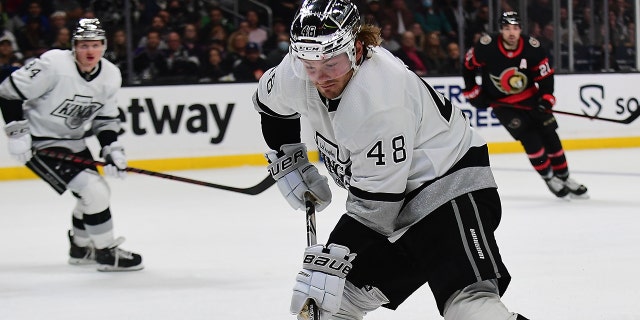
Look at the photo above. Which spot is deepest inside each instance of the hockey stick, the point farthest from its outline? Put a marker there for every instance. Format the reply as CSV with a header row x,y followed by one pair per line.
x,y
313,313
634,115
257,189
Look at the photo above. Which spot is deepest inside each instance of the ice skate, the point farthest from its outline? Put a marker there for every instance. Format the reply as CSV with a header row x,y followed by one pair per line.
x,y
80,255
557,187
576,190
113,258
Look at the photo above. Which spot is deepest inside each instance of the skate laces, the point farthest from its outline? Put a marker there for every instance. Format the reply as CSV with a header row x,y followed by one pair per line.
x,y
572,184
120,253
555,183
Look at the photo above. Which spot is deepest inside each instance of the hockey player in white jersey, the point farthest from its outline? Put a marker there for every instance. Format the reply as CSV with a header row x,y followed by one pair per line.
x,y
422,203
49,104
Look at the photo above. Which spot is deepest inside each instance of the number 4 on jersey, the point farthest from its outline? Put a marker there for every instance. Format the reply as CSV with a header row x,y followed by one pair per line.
x,y
398,154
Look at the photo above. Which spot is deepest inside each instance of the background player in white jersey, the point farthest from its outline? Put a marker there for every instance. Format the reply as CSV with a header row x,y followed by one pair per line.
x,y
65,93
422,202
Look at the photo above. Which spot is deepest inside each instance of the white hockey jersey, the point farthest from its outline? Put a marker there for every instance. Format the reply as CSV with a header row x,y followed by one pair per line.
x,y
60,104
399,147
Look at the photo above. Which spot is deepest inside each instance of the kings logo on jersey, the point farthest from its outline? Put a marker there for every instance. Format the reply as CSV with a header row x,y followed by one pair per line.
x,y
510,81
77,110
330,155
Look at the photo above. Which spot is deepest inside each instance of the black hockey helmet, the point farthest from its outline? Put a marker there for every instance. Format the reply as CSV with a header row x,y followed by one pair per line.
x,y
509,17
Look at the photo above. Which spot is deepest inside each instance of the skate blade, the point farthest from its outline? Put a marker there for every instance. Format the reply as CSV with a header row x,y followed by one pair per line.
x,y
81,262
583,196
108,268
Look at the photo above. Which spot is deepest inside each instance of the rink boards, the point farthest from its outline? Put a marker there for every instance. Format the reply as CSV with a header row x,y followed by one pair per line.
x,y
215,125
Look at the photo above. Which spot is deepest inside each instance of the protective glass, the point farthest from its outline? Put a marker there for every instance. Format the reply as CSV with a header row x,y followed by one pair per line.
x,y
322,70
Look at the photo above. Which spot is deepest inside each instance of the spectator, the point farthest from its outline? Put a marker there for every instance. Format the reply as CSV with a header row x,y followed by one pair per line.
x,y
244,27
58,21
62,40
8,21
179,15
34,11
278,27
6,34
149,63
181,65
564,28
421,36
434,53
276,55
400,16
191,42
159,25
374,13
236,50
215,18
453,65
449,9
252,66
478,25
211,70
285,10
414,59
32,38
217,35
589,28
8,58
257,32
431,18
117,51
546,42
539,11
388,40
74,12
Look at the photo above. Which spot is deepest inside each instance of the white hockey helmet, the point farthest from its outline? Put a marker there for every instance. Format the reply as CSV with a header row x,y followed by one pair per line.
x,y
323,29
88,29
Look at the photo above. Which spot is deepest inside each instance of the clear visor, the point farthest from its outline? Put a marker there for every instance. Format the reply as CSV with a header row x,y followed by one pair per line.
x,y
322,70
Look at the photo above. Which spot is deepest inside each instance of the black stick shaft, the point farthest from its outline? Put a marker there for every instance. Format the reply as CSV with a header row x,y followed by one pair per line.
x,y
634,115
313,310
259,188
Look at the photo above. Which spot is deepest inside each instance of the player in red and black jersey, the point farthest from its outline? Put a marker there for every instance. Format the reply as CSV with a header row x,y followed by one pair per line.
x,y
517,81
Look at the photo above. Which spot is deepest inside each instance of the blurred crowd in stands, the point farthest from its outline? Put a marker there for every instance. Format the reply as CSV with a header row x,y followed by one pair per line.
x,y
209,41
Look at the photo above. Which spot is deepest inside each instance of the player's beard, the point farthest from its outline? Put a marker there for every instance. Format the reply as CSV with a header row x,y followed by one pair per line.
x,y
333,88
510,42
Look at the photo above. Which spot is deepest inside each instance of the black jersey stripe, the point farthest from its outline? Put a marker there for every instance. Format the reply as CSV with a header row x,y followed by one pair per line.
x,y
265,109
13,84
376,196
446,108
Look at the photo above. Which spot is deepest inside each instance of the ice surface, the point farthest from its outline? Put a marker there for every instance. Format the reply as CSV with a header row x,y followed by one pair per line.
x,y
212,254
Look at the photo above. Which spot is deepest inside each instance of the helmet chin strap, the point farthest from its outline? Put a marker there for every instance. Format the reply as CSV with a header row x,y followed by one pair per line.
x,y
356,64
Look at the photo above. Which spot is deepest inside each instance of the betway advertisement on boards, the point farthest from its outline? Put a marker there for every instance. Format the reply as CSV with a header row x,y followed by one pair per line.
x,y
191,121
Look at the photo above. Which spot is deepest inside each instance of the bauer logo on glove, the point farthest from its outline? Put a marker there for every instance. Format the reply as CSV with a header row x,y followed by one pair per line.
x,y
295,176
287,163
326,263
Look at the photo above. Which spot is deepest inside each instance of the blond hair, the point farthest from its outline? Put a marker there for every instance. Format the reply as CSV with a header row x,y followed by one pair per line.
x,y
369,35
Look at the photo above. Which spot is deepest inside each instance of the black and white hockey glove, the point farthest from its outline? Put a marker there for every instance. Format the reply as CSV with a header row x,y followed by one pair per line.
x,y
322,279
294,176
113,154
19,140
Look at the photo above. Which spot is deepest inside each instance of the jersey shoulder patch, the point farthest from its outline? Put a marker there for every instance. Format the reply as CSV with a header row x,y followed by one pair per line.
x,y
485,39
534,42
